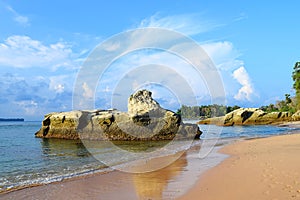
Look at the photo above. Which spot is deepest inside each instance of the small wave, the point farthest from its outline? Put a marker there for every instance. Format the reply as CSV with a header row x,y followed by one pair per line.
x,y
70,164
23,181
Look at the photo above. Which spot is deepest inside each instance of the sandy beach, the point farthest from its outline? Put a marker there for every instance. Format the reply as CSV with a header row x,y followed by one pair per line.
x,y
170,182
267,168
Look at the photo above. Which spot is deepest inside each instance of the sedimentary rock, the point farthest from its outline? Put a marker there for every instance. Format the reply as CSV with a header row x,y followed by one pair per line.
x,y
145,120
141,103
296,116
249,116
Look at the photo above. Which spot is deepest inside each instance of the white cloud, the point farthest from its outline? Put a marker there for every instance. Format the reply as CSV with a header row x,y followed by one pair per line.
x,y
57,83
227,60
241,16
246,91
107,89
29,107
22,52
53,92
87,91
223,54
189,24
112,47
155,68
20,19
32,97
59,88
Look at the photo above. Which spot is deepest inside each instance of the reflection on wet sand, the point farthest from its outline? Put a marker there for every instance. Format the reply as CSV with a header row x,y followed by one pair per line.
x,y
117,185
151,185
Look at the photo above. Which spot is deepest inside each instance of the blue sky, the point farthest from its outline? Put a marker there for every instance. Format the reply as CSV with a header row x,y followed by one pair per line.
x,y
43,44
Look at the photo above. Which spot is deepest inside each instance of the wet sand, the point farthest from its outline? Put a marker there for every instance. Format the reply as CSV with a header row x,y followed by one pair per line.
x,y
170,182
267,168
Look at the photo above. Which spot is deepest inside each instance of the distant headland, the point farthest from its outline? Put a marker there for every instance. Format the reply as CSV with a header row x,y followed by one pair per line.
x,y
11,120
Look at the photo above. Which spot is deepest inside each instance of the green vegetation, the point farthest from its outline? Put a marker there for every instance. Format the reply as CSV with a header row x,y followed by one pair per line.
x,y
296,85
289,104
205,111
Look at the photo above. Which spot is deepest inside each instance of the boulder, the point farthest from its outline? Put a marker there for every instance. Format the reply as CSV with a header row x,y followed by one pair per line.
x,y
145,120
249,116
296,116
141,103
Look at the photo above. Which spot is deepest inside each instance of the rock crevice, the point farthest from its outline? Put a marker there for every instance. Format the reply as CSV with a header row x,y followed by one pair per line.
x,y
251,116
145,120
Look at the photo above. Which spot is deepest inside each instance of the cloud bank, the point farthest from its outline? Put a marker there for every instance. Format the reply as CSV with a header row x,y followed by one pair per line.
x,y
49,70
224,54
23,52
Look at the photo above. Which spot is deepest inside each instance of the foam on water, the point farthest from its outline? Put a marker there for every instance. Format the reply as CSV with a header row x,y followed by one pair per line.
x,y
26,160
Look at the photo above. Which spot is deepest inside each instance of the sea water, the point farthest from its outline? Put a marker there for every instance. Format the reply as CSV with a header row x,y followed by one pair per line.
x,y
26,160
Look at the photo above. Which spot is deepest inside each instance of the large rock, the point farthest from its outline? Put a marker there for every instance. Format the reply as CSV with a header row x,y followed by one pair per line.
x,y
296,116
145,120
141,103
249,116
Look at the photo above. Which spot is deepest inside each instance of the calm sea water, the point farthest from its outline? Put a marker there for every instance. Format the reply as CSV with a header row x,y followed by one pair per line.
x,y
26,160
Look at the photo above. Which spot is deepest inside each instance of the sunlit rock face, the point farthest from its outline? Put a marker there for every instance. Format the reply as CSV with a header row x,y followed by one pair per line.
x,y
145,120
250,116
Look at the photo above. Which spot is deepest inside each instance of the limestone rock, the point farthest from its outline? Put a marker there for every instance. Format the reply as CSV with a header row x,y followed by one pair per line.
x,y
249,116
141,103
296,116
145,120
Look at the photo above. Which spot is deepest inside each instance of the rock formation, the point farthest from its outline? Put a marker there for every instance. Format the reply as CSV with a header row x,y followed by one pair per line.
x,y
296,116
250,116
141,102
145,120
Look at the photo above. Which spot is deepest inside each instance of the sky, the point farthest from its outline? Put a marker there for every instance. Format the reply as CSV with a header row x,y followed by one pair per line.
x,y
44,45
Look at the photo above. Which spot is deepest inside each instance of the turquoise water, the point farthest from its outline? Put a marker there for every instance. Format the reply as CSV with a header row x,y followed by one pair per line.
x,y
26,160
211,131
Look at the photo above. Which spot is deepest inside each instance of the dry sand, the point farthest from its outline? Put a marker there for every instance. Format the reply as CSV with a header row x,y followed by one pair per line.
x,y
258,169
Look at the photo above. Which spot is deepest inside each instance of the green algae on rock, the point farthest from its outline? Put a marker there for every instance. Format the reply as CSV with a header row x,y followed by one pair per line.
x,y
145,120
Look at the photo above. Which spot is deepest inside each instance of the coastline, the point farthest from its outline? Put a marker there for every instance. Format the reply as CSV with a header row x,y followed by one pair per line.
x,y
292,124
170,182
181,179
264,168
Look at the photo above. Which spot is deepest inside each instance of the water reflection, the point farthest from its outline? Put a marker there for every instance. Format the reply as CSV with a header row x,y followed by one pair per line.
x,y
114,185
151,185
59,147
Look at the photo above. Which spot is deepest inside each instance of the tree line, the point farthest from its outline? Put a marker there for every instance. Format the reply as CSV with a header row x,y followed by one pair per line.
x,y
205,111
288,104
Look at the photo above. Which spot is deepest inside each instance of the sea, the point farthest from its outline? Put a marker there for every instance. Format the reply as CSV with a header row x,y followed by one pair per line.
x,y
26,160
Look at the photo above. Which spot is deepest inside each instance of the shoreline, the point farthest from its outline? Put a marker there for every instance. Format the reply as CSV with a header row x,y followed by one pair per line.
x,y
183,171
76,177
170,182
262,168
